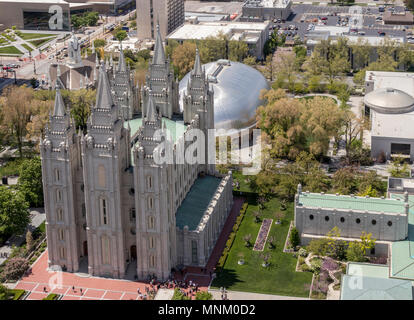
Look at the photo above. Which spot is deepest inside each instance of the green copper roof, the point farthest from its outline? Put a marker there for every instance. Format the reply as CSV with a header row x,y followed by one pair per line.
x,y
402,254
370,288
367,270
332,201
196,202
175,128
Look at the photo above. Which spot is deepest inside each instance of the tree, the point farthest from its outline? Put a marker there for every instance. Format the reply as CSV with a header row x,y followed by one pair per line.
x,y
15,268
15,112
99,43
14,214
250,61
294,237
213,48
80,102
36,127
29,240
357,249
30,182
360,54
399,169
238,50
121,35
247,239
183,58
318,246
409,4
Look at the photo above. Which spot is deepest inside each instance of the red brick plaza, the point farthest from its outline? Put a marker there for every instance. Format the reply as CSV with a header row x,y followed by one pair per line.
x,y
96,288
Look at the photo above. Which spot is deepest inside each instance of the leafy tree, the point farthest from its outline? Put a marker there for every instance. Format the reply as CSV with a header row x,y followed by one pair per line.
x,y
80,102
14,214
399,169
238,50
121,35
99,43
318,246
294,237
250,61
357,249
15,268
183,58
29,240
15,112
30,182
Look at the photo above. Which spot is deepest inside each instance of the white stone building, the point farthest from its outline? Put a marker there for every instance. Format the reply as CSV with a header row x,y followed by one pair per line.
x,y
110,204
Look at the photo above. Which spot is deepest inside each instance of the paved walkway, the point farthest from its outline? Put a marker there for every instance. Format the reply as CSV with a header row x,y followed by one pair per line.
x,y
239,295
37,216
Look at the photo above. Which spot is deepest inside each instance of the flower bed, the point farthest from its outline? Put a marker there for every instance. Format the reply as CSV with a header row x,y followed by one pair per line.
x,y
262,236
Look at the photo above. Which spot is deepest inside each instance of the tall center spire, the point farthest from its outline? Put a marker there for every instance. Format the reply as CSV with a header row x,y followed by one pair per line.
x,y
59,109
159,54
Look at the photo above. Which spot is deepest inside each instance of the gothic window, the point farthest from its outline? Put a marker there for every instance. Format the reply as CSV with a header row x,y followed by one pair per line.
x,y
374,222
57,175
59,214
150,202
83,210
152,261
326,218
131,191
149,182
389,223
132,214
151,222
151,242
62,253
103,210
101,176
358,220
133,231
106,252
342,219
61,234
311,217
194,257
58,195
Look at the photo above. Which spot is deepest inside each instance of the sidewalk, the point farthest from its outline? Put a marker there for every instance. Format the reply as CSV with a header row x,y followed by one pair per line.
x,y
239,295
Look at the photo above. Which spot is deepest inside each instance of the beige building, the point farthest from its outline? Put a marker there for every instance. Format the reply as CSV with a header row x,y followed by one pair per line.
x,y
168,13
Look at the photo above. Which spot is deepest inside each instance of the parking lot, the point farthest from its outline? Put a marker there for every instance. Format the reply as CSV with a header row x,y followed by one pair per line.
x,y
305,17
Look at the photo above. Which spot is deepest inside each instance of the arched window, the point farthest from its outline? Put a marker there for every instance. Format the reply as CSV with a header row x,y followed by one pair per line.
x,y
311,217
150,203
61,234
62,253
358,221
326,218
194,254
58,195
342,219
59,214
83,210
149,182
151,242
389,223
57,175
151,222
152,261
103,210
132,214
374,222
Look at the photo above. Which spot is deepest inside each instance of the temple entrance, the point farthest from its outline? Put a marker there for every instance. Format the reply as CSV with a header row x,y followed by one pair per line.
x,y
85,248
133,253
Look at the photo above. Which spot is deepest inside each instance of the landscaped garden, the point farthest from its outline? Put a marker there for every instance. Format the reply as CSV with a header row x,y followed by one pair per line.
x,y
29,36
245,269
10,294
39,42
10,50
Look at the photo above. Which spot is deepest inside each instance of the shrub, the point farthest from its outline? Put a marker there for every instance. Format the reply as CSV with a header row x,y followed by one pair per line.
x,y
303,252
294,237
52,296
178,295
316,265
203,295
305,268
15,268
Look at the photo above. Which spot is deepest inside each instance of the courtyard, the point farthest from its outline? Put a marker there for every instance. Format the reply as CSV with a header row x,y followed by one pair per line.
x,y
280,277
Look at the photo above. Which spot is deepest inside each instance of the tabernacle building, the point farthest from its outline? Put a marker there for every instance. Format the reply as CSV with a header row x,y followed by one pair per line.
x,y
110,204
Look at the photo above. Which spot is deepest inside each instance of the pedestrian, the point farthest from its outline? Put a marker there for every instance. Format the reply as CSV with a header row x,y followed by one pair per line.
x,y
81,291
73,288
44,289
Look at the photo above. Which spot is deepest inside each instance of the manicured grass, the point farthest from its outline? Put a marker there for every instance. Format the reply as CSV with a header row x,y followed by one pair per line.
x,y
26,46
38,43
10,50
14,294
52,296
28,36
280,277
243,181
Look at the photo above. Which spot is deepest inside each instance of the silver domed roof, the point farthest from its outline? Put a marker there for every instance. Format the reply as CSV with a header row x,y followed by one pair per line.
x,y
236,93
389,100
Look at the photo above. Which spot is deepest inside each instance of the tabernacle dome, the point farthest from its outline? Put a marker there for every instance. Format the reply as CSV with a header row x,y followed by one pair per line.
x,y
236,89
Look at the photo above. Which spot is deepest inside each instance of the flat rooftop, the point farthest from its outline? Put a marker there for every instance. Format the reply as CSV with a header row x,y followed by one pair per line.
x,y
212,29
367,270
196,202
332,201
267,3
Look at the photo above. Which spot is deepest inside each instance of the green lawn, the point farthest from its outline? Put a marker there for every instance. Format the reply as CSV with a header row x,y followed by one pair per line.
x,y
280,277
26,46
38,43
28,36
10,50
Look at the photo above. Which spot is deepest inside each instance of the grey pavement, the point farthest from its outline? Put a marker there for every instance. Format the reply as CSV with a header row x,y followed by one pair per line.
x,y
37,216
239,295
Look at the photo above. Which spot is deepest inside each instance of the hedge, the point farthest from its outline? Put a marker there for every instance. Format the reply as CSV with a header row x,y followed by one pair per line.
x,y
52,296
18,293
232,235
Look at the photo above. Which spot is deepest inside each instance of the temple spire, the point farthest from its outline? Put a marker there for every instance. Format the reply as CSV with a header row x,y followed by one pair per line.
x,y
103,93
151,114
59,109
198,71
121,62
159,54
